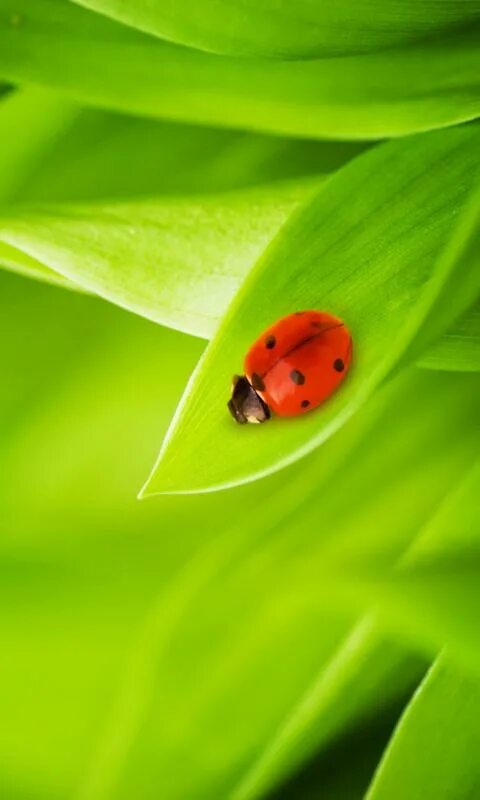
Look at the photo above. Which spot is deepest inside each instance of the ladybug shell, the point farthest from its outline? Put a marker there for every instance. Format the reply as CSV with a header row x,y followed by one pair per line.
x,y
299,361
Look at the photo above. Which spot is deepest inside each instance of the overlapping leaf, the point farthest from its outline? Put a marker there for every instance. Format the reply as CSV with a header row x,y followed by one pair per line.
x,y
98,61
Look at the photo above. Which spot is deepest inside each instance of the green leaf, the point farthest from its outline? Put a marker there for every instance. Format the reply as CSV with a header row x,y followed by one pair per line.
x,y
54,150
433,598
305,28
365,248
430,598
434,751
355,679
174,260
100,62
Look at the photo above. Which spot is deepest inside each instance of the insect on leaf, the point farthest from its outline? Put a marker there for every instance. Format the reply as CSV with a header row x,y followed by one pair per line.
x,y
366,248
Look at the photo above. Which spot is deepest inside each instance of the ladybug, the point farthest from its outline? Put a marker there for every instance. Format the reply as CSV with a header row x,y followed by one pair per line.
x,y
292,367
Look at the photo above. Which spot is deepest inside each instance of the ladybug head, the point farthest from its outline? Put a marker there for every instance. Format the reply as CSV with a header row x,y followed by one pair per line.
x,y
246,405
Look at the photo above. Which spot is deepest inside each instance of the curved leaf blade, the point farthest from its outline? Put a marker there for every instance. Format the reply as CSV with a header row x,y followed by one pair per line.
x,y
365,248
362,675
302,29
175,260
53,150
442,724
100,62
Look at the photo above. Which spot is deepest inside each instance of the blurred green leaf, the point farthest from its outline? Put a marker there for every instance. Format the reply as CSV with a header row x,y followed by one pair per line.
x,y
29,123
98,61
355,679
360,747
70,153
367,249
434,751
334,27
430,597
433,597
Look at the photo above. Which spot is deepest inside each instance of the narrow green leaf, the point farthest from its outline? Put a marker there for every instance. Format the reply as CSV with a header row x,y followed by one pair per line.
x,y
430,598
433,598
175,260
100,62
365,248
434,751
54,150
304,28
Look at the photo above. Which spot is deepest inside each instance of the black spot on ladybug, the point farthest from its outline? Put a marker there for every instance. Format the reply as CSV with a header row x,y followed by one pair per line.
x,y
297,377
305,403
338,365
270,342
257,382
299,313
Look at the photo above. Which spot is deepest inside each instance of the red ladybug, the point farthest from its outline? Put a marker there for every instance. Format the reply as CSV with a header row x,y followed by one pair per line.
x,y
292,367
